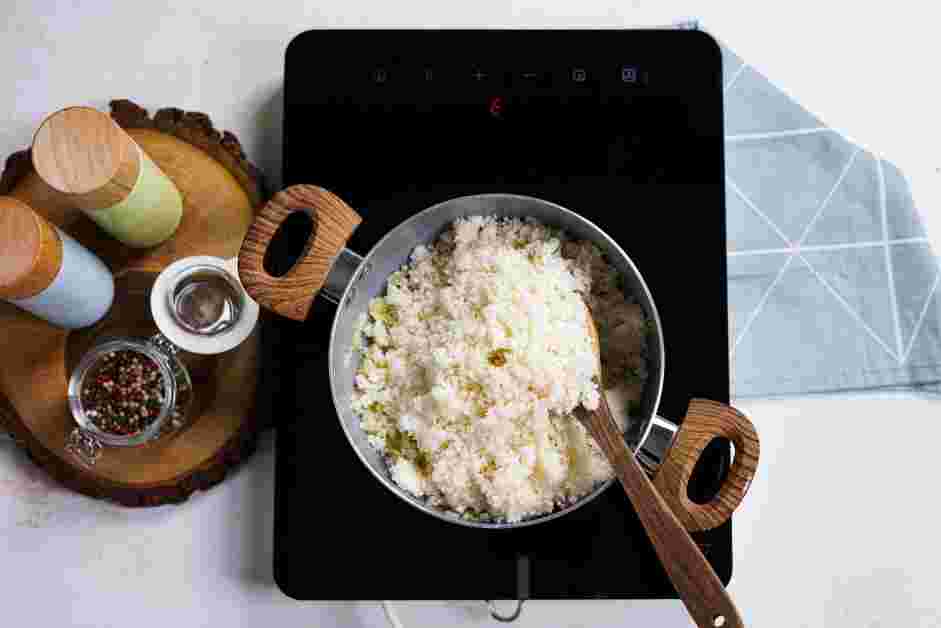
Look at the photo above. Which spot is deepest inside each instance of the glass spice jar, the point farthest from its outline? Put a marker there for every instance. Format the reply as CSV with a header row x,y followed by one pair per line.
x,y
198,303
126,392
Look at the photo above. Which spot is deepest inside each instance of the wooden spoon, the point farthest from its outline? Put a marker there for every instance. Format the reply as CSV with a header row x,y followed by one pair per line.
x,y
698,585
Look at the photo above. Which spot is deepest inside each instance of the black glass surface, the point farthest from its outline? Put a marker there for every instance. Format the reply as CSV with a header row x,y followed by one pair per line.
x,y
623,127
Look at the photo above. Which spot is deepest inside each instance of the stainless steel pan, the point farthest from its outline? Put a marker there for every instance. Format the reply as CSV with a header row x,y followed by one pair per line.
x,y
667,451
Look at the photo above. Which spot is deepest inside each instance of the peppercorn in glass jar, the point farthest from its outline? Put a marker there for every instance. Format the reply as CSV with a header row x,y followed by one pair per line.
x,y
124,393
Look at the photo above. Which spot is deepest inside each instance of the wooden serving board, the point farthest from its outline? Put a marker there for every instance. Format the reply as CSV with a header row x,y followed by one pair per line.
x,y
221,192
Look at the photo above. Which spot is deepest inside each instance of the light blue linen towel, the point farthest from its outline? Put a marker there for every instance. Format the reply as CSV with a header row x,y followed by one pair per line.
x,y
832,282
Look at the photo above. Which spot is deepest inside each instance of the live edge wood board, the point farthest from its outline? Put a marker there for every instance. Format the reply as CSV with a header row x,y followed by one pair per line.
x,y
221,192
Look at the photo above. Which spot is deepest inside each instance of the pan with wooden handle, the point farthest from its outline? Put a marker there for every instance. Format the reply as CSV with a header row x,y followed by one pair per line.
x,y
667,451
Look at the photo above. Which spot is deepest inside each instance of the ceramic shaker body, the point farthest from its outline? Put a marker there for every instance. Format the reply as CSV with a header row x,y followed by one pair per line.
x,y
45,271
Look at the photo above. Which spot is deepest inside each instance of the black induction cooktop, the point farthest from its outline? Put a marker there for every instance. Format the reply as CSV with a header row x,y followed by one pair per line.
x,y
623,127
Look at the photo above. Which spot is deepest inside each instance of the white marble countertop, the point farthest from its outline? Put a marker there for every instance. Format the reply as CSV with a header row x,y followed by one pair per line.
x,y
837,529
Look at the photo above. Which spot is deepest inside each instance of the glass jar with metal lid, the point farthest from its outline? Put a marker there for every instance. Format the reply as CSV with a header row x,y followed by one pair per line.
x,y
126,392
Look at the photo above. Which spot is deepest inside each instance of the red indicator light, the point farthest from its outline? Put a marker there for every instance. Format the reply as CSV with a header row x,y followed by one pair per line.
x,y
496,106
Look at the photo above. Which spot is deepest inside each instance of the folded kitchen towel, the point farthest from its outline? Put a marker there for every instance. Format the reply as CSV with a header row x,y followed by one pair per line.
x,y
832,282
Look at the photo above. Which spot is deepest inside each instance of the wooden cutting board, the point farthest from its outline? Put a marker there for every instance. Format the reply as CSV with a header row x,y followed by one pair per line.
x,y
221,192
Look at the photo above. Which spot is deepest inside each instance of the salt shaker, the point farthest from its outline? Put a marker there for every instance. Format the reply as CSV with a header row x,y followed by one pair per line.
x,y
44,271
82,154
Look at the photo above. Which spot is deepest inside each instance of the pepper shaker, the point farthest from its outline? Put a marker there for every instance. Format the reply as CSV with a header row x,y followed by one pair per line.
x,y
44,271
84,155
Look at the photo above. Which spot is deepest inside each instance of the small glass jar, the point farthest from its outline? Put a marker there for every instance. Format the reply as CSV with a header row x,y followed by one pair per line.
x,y
199,304
87,441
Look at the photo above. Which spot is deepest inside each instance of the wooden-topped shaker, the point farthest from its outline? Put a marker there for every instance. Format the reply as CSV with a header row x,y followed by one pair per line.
x,y
46,272
30,250
82,154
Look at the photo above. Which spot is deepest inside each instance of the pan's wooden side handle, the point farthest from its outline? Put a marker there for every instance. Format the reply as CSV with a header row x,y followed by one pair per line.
x,y
706,420
292,294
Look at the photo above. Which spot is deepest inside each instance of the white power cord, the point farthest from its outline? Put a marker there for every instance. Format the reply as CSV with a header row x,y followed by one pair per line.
x,y
391,615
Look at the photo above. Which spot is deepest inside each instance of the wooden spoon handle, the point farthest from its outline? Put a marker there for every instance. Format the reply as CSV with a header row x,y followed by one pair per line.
x,y
705,421
292,294
696,583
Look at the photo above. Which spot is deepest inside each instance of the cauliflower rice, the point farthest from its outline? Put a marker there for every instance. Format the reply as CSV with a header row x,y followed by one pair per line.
x,y
475,358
